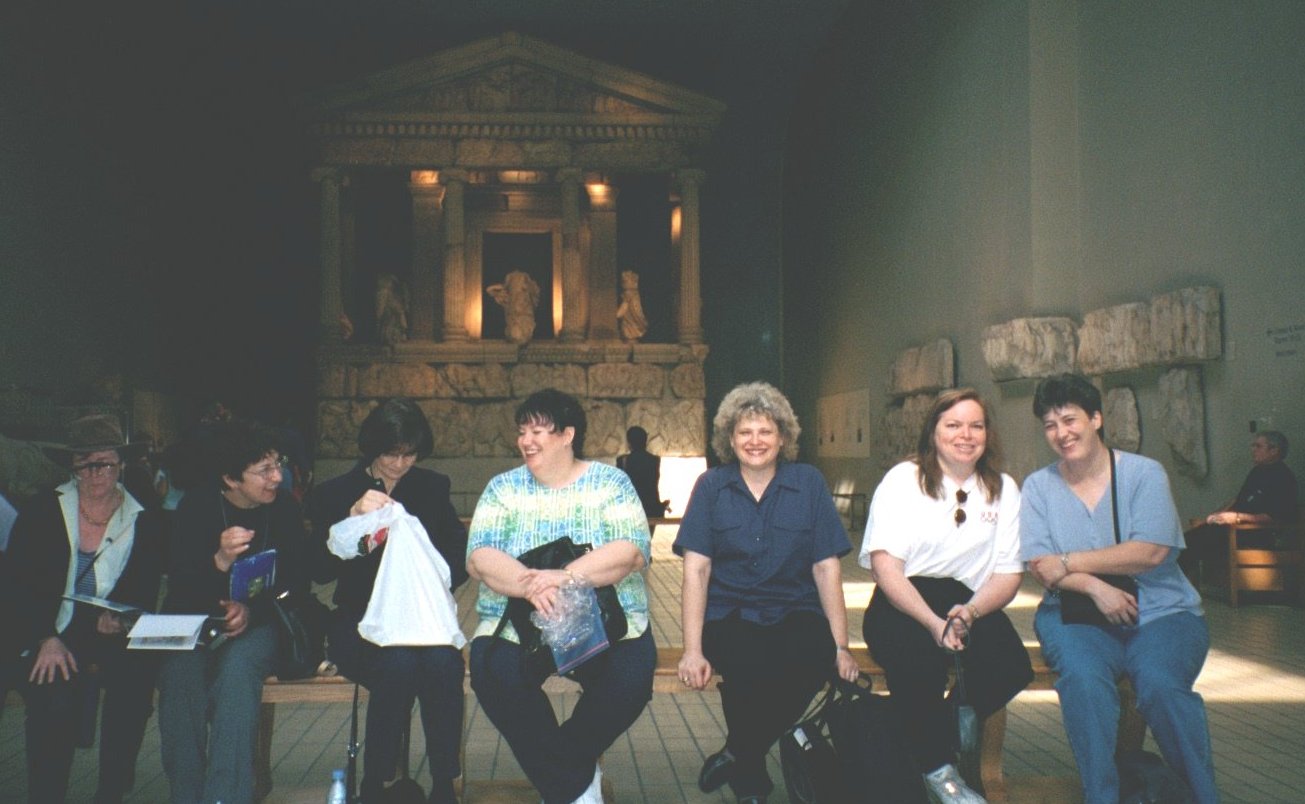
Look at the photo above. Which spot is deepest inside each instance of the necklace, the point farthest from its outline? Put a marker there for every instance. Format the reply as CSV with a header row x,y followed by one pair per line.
x,y
81,509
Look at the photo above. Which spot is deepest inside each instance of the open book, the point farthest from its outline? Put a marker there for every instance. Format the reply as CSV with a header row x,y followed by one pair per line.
x,y
166,631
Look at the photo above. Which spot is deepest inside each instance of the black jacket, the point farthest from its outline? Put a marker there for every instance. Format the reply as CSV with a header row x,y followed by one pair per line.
x,y
423,493
35,573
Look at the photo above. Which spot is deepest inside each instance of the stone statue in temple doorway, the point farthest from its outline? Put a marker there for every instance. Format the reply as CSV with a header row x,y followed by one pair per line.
x,y
518,295
391,309
634,324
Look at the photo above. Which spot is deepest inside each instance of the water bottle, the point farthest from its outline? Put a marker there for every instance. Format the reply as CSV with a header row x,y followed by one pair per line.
x,y
338,794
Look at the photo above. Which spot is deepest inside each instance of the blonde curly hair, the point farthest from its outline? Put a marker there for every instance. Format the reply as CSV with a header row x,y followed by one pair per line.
x,y
754,399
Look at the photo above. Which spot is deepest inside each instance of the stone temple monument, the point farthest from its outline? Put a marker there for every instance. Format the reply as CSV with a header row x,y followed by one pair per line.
x,y
508,155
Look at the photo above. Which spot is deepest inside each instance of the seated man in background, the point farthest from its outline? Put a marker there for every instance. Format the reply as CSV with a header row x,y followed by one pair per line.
x,y
1267,496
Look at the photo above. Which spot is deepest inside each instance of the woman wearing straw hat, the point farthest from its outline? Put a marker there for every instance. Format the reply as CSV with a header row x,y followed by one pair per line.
x,y
87,537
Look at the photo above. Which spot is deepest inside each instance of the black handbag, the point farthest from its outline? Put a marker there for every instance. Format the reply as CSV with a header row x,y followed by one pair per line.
x,y
859,728
537,657
1144,778
812,772
1077,608
301,621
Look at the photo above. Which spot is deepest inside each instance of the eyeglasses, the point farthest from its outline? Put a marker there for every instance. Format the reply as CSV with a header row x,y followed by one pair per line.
x,y
961,498
94,468
276,467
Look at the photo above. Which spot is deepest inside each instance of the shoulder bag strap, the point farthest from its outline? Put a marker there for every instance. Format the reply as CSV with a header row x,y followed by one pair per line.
x,y
1114,495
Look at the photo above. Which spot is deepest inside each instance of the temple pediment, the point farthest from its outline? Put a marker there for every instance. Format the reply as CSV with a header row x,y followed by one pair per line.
x,y
510,79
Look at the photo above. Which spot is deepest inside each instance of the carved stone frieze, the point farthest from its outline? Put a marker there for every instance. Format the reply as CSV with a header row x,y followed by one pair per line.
x,y
901,427
688,381
495,429
1115,339
453,424
1029,347
626,380
1121,419
335,380
930,367
398,379
675,427
337,427
530,377
1182,412
470,381
1186,325
606,428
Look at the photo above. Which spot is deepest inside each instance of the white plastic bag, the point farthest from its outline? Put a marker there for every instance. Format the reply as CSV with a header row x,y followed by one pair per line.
x,y
411,603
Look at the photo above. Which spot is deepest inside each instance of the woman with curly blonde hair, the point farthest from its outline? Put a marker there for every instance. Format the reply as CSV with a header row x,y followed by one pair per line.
x,y
763,590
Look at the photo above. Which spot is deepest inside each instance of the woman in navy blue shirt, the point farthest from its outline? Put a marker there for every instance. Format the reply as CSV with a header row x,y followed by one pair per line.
x,y
763,589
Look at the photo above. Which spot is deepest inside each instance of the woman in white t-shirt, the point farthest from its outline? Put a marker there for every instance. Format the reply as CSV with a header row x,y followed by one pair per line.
x,y
943,543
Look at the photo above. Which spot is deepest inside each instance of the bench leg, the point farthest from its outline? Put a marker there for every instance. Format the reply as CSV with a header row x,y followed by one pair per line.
x,y
991,742
263,751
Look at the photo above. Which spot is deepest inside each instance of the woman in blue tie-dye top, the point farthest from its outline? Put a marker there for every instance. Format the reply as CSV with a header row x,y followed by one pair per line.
x,y
557,493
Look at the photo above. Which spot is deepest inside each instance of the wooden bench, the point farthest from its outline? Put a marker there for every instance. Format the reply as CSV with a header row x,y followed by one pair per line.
x,y
1269,568
336,689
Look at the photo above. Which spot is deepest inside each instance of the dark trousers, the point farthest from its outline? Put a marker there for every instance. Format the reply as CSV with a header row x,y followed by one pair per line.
x,y
769,675
996,668
559,759
395,677
61,714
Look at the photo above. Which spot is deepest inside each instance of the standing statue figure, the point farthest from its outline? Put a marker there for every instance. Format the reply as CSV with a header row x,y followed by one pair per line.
x,y
391,309
634,324
518,295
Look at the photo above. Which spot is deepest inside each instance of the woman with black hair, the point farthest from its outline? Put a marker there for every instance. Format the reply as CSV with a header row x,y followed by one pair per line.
x,y
1094,513
557,493
209,698
392,439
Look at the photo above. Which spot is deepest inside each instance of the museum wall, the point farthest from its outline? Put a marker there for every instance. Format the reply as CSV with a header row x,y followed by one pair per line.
x,y
953,166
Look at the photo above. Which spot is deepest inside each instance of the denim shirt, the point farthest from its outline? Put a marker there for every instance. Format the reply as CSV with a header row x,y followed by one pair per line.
x,y
762,551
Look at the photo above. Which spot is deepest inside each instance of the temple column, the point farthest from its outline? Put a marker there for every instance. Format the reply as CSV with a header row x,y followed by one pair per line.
x,y
603,273
455,254
330,301
689,295
573,285
426,214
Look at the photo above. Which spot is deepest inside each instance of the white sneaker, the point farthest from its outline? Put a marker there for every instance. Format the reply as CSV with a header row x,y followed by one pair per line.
x,y
946,786
593,794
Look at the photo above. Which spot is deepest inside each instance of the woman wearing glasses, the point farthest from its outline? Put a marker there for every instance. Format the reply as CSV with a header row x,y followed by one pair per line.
x,y
209,697
86,537
942,541
392,439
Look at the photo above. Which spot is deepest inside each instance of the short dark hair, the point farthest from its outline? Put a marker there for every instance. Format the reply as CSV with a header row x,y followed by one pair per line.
x,y
1066,389
551,406
235,446
393,424
637,438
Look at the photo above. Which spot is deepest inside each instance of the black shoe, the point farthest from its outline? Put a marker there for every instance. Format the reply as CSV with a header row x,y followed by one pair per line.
x,y
716,771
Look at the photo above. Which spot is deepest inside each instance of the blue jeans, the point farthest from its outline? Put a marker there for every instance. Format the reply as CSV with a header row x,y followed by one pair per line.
x,y
208,717
1162,659
558,758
